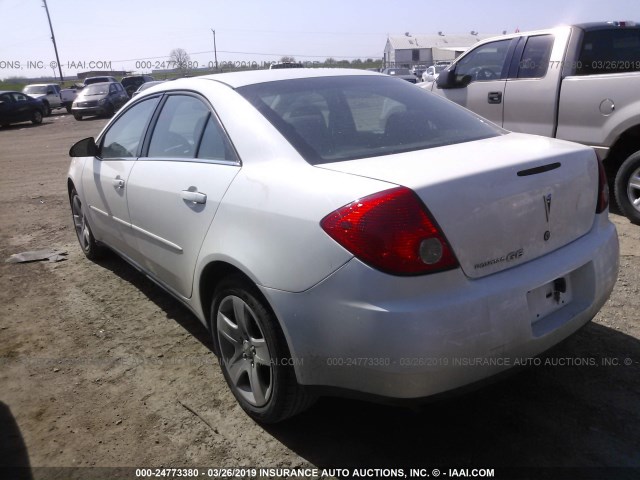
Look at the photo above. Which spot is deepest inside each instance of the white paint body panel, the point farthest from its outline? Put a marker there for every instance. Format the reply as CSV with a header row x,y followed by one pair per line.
x,y
264,220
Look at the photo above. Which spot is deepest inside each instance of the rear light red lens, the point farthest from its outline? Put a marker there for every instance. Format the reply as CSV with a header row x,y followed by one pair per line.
x,y
391,231
603,189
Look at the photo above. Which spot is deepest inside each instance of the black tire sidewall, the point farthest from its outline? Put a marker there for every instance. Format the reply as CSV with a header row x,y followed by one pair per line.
x,y
282,373
630,165
93,250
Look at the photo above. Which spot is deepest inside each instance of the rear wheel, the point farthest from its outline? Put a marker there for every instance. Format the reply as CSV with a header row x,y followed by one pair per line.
x,y
36,117
47,109
68,107
90,248
253,353
627,188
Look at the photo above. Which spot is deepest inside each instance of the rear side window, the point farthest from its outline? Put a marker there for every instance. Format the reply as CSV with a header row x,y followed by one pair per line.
x,y
179,127
125,134
330,119
610,51
215,144
535,58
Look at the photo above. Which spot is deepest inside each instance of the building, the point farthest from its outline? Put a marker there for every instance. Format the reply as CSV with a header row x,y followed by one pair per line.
x,y
408,50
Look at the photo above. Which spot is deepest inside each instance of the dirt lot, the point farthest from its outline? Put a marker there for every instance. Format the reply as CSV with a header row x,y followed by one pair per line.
x,y
99,367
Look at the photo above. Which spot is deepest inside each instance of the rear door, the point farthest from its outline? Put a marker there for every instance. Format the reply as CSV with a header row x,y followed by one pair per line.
x,y
104,178
175,189
487,67
532,89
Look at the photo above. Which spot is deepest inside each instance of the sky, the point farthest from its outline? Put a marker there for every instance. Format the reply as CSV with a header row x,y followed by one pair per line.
x,y
138,35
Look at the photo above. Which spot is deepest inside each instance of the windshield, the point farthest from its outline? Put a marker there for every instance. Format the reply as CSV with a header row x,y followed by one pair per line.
x,y
331,119
96,89
35,89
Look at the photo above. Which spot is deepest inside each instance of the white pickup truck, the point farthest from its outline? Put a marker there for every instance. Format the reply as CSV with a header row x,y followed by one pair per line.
x,y
51,95
578,83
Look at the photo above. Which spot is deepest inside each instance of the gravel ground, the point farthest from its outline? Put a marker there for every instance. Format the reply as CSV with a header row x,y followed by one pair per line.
x,y
99,367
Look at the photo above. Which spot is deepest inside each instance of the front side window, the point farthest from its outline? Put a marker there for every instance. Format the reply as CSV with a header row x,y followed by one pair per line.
x,y
535,57
125,134
484,63
330,119
179,127
610,51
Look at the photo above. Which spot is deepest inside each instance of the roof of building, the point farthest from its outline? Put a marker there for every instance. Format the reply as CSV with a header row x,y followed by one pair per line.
x,y
409,42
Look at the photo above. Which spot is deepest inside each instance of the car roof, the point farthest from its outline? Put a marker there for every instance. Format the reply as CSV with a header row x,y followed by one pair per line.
x,y
99,83
241,79
10,91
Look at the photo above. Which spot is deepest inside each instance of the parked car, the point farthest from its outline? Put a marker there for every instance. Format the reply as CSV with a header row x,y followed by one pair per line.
x,y
101,79
339,230
99,99
431,73
49,93
133,82
16,107
403,73
146,85
418,70
68,95
578,83
278,65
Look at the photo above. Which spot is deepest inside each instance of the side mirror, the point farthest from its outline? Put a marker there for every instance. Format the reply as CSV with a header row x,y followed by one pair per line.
x,y
449,79
84,148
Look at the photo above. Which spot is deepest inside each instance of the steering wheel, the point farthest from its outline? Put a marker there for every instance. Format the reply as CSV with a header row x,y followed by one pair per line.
x,y
482,73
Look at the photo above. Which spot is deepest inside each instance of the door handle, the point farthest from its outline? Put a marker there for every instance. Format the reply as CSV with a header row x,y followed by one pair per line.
x,y
495,97
118,183
194,197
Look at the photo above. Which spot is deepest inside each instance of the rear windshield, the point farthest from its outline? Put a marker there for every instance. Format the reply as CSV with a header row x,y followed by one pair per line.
x,y
35,89
610,51
330,119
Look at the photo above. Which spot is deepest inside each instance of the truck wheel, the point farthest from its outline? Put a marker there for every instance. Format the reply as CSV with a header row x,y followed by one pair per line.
x,y
627,188
47,109
68,108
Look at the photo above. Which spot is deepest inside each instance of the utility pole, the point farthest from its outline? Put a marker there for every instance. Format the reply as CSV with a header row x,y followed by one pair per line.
x,y
215,50
53,37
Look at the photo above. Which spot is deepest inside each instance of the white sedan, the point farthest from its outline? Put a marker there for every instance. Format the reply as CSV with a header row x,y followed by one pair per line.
x,y
345,231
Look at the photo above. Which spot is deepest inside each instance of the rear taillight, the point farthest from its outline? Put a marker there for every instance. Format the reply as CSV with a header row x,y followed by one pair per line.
x,y
391,231
603,189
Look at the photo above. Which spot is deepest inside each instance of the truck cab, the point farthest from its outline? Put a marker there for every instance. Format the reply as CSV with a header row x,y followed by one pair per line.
x,y
577,83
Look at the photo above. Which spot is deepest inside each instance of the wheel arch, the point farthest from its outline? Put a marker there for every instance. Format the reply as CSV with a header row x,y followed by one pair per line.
x,y
627,143
215,272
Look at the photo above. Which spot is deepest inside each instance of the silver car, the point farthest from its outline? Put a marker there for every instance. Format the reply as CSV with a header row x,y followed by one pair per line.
x,y
341,231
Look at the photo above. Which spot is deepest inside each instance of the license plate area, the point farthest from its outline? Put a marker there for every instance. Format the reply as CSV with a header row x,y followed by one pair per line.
x,y
549,298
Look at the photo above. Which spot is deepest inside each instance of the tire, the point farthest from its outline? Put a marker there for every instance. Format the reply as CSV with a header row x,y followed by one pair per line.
x,y
36,117
68,107
627,188
77,116
92,250
253,353
47,109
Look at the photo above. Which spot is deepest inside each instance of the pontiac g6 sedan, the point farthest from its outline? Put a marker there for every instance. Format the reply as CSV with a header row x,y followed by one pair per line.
x,y
346,232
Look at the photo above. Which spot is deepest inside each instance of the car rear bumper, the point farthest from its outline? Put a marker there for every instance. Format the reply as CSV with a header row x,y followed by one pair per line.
x,y
412,337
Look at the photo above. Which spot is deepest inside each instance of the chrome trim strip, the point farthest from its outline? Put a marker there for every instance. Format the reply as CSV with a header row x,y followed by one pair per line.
x,y
156,237
98,210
